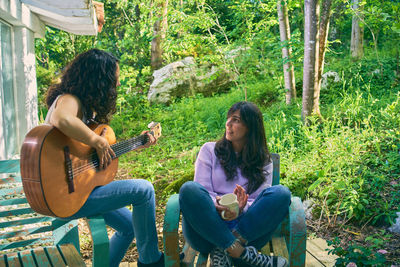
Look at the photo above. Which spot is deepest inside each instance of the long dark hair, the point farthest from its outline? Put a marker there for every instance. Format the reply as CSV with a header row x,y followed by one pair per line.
x,y
254,155
91,77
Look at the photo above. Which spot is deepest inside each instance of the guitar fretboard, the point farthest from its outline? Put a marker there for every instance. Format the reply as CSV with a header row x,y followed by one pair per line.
x,y
122,147
125,146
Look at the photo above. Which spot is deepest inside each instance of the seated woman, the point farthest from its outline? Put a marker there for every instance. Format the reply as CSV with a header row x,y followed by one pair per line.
x,y
88,92
240,163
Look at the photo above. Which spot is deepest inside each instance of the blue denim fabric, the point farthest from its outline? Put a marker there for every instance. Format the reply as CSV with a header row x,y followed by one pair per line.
x,y
110,201
204,229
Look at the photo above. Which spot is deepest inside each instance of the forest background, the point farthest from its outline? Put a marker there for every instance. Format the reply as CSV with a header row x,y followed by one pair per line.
x,y
340,150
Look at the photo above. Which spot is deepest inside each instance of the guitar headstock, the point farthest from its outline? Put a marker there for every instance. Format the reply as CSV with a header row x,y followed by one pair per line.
x,y
155,129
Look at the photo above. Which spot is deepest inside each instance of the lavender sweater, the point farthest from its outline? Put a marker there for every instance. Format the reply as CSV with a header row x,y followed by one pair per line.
x,y
211,175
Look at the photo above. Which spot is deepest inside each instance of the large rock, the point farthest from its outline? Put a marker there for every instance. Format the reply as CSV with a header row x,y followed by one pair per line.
x,y
329,78
186,78
395,228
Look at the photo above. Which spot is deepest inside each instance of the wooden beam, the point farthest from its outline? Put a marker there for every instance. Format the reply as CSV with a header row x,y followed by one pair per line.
x,y
318,248
279,247
42,8
72,256
62,4
75,16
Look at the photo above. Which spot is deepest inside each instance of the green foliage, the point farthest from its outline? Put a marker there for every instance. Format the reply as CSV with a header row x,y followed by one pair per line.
x,y
349,160
190,26
264,93
45,77
58,48
357,254
252,18
367,75
127,34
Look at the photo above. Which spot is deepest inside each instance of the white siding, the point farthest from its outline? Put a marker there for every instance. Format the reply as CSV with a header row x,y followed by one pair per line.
x,y
8,122
18,93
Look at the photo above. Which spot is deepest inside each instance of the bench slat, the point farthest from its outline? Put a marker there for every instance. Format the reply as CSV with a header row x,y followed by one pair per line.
x,y
71,255
28,242
26,221
27,258
15,212
9,166
11,179
55,256
41,257
26,232
279,247
13,260
13,201
266,249
12,191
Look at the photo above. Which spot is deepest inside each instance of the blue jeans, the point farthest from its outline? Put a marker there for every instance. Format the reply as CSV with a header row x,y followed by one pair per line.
x,y
110,201
204,229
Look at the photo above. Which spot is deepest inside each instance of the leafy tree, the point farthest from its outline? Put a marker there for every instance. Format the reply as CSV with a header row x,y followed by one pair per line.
x,y
288,69
160,28
315,37
311,9
357,32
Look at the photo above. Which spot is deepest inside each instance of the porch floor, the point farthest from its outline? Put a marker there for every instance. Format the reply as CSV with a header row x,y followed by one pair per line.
x,y
316,254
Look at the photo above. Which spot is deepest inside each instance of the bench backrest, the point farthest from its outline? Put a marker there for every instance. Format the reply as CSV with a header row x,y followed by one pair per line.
x,y
20,226
275,173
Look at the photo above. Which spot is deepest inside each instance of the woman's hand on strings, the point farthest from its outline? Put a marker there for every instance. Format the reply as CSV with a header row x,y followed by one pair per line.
x,y
104,150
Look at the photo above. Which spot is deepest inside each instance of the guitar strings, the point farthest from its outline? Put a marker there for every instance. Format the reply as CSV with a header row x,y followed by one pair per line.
x,y
118,148
94,163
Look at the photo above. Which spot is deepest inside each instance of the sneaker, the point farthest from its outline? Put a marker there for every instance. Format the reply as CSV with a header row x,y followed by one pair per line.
x,y
159,263
251,256
219,258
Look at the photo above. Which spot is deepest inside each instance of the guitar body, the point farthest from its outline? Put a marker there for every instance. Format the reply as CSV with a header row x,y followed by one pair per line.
x,y
44,172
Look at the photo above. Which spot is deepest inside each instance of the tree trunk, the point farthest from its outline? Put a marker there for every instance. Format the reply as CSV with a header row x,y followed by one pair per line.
x,y
180,32
311,11
357,33
156,51
159,32
164,23
288,69
323,38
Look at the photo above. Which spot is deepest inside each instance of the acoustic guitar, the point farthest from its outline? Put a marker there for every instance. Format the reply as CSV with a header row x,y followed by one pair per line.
x,y
59,173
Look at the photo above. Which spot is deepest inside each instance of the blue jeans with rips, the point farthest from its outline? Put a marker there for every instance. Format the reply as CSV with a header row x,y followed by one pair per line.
x,y
110,201
204,229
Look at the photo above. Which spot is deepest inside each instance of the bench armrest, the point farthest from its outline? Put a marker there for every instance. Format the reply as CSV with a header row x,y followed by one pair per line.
x,y
170,231
294,230
98,231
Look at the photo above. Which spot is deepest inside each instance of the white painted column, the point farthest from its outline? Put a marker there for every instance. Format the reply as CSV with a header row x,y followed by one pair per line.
x,y
25,83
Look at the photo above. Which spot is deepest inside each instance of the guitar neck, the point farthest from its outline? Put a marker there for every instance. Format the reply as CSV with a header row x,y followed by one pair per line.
x,y
125,146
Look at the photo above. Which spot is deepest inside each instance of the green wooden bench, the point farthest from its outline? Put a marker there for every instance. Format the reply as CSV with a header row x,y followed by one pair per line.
x,y
31,239
289,239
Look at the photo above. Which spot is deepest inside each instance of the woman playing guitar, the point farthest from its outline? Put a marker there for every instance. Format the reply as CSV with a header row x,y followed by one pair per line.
x,y
87,92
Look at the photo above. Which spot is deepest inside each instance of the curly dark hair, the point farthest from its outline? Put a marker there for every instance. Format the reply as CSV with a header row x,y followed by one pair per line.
x,y
91,77
255,154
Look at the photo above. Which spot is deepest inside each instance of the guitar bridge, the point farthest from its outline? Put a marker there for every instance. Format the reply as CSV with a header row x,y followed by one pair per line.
x,y
68,170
